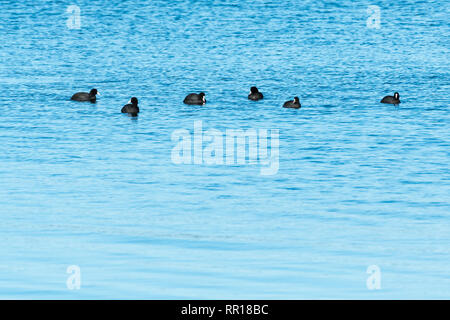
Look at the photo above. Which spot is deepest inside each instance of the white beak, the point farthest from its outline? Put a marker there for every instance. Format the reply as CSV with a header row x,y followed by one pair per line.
x,y
98,93
129,101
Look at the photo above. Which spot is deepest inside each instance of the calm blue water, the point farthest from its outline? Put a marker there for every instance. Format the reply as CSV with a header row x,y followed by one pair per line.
x,y
359,183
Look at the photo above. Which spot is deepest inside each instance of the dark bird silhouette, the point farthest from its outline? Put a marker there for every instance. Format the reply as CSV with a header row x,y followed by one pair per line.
x,y
294,104
84,96
255,95
391,99
131,108
194,98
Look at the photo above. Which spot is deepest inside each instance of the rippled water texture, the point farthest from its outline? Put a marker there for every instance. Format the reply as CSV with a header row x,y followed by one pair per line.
x,y
359,183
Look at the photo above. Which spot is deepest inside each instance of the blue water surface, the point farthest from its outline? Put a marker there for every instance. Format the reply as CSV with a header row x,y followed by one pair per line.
x,y
359,183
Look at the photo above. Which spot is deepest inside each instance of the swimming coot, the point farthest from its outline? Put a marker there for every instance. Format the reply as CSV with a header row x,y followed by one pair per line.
x,y
195,98
255,95
391,99
131,108
294,104
84,96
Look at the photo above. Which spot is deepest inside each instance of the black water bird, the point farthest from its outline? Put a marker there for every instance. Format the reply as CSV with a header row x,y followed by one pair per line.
x,y
131,108
194,98
395,99
255,95
293,104
84,96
